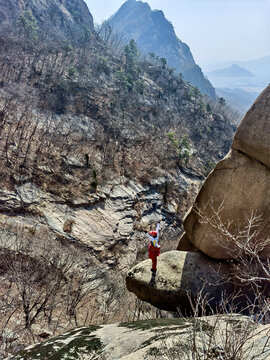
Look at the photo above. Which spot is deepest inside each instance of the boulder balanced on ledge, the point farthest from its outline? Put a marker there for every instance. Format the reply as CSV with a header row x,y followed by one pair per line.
x,y
180,277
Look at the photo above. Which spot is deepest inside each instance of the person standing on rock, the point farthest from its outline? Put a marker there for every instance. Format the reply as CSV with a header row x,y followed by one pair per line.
x,y
154,248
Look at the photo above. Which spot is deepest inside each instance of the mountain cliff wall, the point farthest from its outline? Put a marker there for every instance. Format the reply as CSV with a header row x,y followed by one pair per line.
x,y
51,19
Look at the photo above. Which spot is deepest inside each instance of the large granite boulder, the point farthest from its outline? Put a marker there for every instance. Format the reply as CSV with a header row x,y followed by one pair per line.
x,y
241,186
180,278
253,134
236,189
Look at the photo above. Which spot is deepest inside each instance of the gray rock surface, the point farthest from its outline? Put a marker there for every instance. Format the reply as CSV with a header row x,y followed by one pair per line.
x,y
109,223
180,277
158,340
55,18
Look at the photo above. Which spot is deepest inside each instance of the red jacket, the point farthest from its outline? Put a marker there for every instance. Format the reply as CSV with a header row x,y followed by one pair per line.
x,y
153,251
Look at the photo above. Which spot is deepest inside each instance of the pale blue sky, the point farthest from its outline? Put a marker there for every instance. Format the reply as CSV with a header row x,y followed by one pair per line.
x,y
216,30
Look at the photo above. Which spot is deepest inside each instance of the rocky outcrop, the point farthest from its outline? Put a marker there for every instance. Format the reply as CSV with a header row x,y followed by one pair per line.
x,y
157,339
185,245
238,187
180,278
154,33
56,19
234,192
103,223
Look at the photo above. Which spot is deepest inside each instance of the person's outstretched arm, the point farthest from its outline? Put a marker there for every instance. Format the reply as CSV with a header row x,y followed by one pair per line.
x,y
157,230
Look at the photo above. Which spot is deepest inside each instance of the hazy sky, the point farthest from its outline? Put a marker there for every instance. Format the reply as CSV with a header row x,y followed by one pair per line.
x,y
216,30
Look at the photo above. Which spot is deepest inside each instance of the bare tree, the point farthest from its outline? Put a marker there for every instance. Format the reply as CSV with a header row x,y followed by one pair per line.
x,y
222,334
112,39
41,278
245,242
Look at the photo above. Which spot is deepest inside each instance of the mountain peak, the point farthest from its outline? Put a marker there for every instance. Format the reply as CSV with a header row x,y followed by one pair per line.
x,y
154,33
236,67
136,4
232,71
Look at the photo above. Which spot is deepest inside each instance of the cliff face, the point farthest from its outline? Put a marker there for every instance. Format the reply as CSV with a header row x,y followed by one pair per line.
x,y
154,33
54,19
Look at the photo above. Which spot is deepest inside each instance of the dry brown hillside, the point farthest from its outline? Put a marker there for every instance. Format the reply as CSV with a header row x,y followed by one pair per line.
x,y
96,146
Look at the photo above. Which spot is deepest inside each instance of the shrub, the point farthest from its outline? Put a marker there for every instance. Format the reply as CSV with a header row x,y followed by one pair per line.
x,y
182,148
85,35
184,155
28,23
163,62
172,139
124,79
131,53
209,167
94,183
171,70
221,101
71,71
139,86
76,15
67,47
103,64
185,142
209,108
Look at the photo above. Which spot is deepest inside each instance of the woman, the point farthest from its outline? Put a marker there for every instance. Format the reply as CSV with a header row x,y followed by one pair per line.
x,y
154,248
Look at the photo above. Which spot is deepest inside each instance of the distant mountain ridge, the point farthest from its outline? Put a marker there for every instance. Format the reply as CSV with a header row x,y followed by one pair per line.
x,y
259,67
154,33
240,91
232,71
